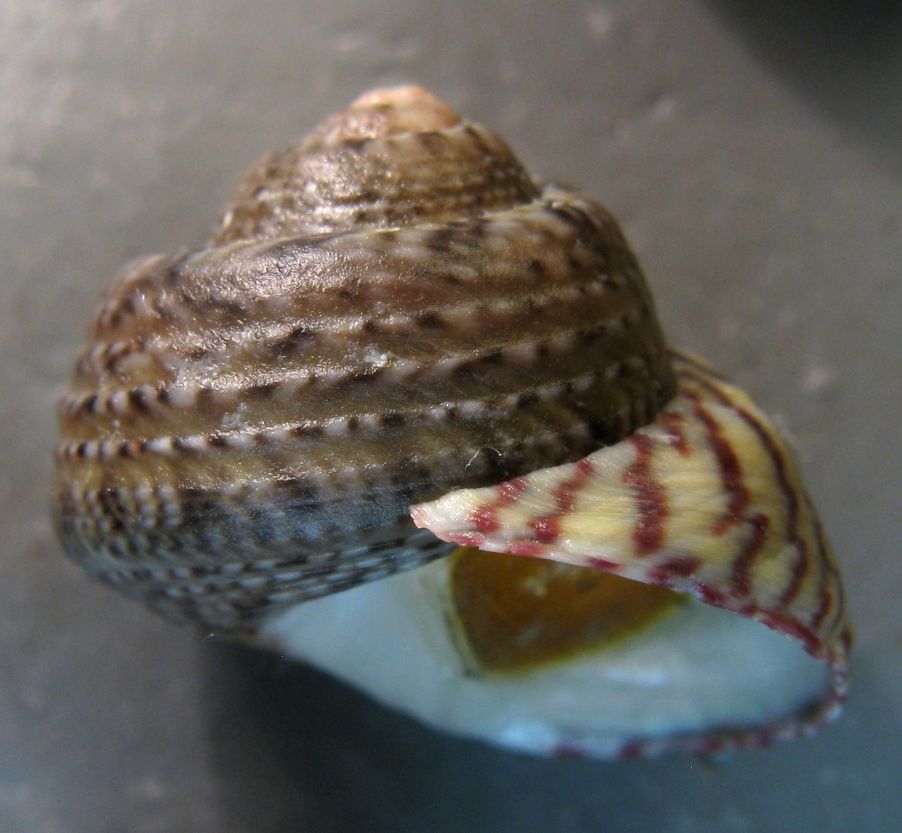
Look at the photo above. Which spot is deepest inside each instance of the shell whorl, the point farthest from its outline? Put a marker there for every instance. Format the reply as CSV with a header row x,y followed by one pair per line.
x,y
388,311
393,158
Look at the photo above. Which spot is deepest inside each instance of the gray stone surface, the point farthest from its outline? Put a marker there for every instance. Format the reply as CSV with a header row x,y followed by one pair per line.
x,y
754,154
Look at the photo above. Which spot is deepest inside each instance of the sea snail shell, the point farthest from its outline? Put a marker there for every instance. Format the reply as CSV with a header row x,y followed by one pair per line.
x,y
395,342
391,310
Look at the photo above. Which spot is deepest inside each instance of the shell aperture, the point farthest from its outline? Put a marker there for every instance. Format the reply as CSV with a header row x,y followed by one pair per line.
x,y
518,613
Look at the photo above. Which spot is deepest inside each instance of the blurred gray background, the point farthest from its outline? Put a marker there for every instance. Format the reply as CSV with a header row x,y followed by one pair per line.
x,y
753,151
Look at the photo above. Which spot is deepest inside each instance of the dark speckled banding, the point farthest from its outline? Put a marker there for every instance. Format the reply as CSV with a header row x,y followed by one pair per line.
x,y
388,312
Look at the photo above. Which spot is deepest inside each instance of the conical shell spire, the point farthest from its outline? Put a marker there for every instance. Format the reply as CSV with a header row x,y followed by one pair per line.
x,y
396,156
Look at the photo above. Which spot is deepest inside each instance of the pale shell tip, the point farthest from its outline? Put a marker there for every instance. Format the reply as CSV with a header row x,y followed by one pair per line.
x,y
385,111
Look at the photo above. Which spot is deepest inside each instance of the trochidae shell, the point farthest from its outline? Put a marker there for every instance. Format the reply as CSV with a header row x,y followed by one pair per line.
x,y
389,311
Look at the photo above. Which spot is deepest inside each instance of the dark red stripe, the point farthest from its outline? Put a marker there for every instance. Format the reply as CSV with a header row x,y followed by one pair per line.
x,y
835,581
678,567
823,590
728,463
711,595
648,533
823,608
790,497
565,493
799,571
683,566
484,518
603,564
759,524
791,626
674,424
509,492
547,528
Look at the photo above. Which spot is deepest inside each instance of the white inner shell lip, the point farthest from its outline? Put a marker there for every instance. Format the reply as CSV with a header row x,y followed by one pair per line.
x,y
695,669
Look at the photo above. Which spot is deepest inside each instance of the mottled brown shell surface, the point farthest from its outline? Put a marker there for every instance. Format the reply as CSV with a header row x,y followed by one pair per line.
x,y
391,310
